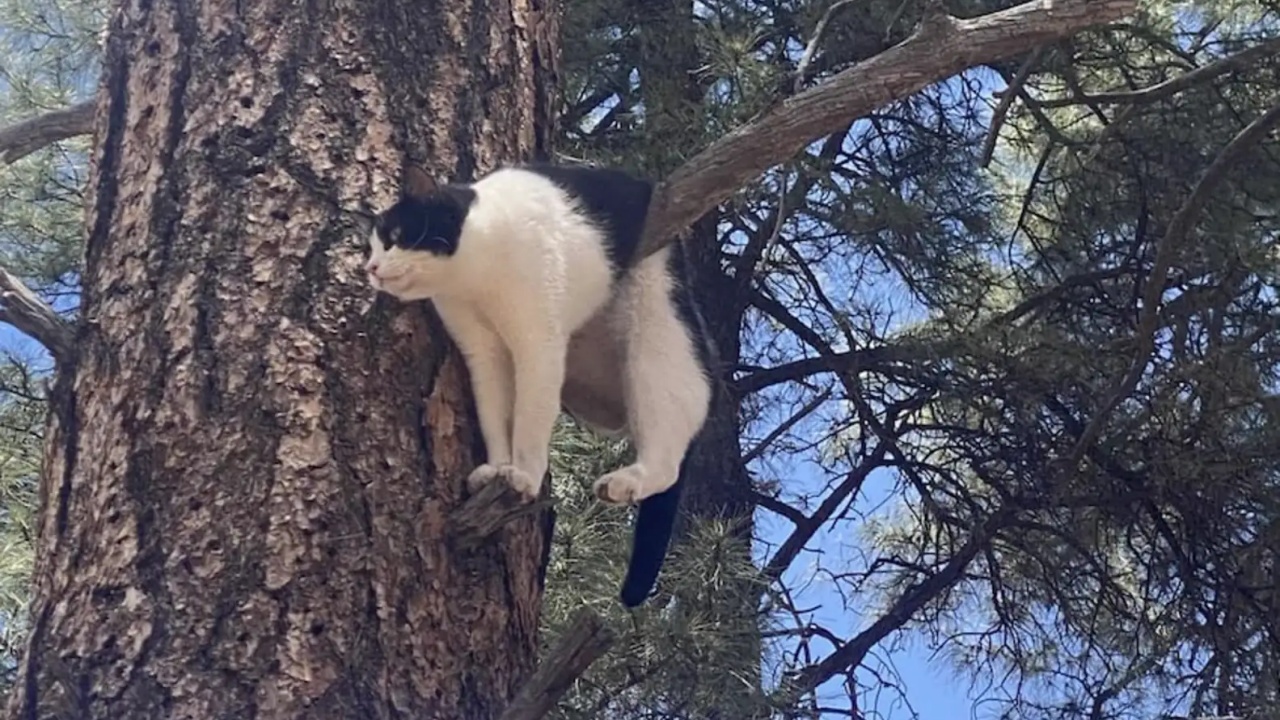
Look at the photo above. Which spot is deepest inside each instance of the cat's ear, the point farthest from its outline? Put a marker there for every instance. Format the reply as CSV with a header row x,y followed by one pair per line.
x,y
418,183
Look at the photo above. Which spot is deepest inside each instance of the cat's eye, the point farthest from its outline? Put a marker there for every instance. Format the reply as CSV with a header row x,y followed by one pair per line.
x,y
395,235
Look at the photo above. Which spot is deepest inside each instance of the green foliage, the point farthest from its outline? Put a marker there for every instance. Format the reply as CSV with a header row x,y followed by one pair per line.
x,y
48,60
673,643
21,427
1130,573
979,490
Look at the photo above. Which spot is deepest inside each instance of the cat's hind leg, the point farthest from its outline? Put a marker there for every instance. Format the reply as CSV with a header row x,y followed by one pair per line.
x,y
667,391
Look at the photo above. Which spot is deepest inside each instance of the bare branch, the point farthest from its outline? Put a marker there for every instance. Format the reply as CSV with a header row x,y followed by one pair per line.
x,y
852,653
586,640
1039,300
1170,87
853,361
1006,102
776,506
25,311
1179,227
20,140
802,68
940,48
805,530
785,426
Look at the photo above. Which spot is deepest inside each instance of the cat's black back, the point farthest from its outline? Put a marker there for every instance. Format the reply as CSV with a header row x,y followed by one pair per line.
x,y
616,201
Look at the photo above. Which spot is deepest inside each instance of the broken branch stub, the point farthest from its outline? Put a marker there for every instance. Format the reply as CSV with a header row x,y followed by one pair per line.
x,y
485,512
582,644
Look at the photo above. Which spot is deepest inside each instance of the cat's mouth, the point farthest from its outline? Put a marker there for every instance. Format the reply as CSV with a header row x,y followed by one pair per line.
x,y
397,286
381,281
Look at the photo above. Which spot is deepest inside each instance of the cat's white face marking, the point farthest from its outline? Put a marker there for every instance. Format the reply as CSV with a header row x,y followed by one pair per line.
x,y
405,274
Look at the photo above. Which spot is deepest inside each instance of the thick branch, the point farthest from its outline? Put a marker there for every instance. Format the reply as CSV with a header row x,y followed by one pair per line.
x,y
22,309
586,640
936,51
20,140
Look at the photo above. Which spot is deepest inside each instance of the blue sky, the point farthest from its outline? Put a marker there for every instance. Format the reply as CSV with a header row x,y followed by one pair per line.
x,y
928,686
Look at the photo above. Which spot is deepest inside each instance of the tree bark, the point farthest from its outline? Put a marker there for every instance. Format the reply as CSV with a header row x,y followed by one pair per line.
x,y
251,461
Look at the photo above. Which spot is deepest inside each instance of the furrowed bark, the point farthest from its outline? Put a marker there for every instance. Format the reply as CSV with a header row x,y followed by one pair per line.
x,y
252,463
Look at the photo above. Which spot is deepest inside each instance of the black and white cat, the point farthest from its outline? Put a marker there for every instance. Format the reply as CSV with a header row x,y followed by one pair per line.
x,y
534,272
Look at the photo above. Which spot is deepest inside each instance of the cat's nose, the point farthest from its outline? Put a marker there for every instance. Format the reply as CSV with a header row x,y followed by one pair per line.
x,y
371,267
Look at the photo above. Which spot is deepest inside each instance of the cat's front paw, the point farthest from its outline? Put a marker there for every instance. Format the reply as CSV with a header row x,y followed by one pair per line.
x,y
624,486
522,482
481,476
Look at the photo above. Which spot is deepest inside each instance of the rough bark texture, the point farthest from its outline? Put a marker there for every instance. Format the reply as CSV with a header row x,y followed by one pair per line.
x,y
252,462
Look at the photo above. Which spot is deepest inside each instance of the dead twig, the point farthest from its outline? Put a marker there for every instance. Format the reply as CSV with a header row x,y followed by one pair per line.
x,y
487,511
1006,102
806,59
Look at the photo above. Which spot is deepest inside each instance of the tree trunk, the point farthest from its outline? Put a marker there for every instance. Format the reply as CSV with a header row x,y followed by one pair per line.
x,y
252,463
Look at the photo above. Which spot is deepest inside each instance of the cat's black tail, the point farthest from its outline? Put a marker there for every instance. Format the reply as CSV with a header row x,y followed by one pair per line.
x,y
655,521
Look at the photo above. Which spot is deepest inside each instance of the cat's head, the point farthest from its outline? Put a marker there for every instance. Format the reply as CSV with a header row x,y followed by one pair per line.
x,y
414,241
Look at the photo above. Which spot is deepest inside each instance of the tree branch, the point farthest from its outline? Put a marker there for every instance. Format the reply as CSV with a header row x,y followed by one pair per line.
x,y
21,139
487,511
25,311
937,50
785,426
853,361
776,506
1165,89
1168,246
805,530
1006,103
802,68
900,613
586,640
